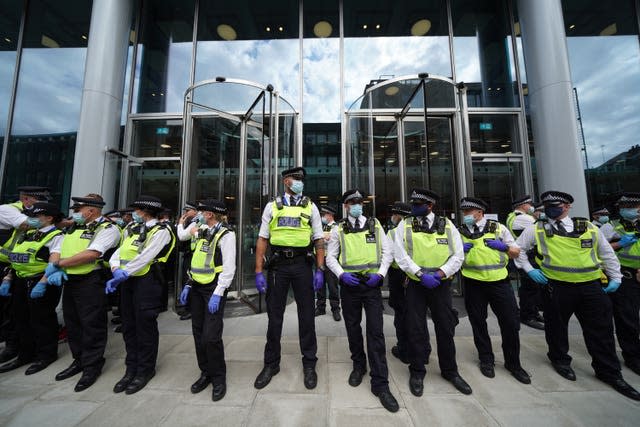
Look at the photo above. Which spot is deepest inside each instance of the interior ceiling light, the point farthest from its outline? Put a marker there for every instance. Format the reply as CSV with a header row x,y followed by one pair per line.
x,y
49,42
609,30
226,32
322,29
165,146
84,37
280,29
516,28
268,29
391,90
572,26
378,27
421,27
364,27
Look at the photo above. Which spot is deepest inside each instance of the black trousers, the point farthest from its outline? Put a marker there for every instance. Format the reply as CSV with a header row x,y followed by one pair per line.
x,y
499,295
85,316
354,300
593,309
8,332
330,285
140,306
445,319
36,320
530,297
207,332
398,301
626,308
300,277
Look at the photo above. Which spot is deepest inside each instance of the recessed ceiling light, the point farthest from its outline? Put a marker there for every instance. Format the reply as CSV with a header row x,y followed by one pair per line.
x,y
280,29
226,32
84,37
391,90
322,29
377,26
165,146
364,27
572,26
268,29
421,27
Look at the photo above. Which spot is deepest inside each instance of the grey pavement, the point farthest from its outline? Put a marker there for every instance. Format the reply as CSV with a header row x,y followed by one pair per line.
x,y
38,400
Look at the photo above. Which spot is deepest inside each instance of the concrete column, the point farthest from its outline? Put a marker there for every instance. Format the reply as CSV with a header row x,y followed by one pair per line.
x,y
102,95
553,114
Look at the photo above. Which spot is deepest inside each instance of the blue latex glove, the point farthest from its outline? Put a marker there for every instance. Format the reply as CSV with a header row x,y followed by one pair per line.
x,y
111,286
50,269
349,279
467,247
612,286
374,280
57,277
5,288
537,276
261,283
184,295
318,280
498,245
430,280
38,290
214,303
627,240
120,275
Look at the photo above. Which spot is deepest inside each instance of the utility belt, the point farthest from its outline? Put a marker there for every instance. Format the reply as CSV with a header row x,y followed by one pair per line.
x,y
628,273
99,271
213,283
287,256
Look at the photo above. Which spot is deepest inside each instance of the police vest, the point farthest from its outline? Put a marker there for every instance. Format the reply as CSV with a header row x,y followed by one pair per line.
x,y
206,262
481,262
629,256
30,256
511,219
7,247
136,240
429,247
290,226
6,236
571,258
77,239
360,248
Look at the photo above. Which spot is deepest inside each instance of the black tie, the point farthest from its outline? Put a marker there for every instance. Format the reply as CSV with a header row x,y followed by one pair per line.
x,y
475,229
561,229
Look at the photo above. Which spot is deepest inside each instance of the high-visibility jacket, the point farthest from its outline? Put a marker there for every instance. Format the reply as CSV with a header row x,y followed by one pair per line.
x,y
29,256
290,226
136,240
361,248
428,248
206,262
78,239
481,262
629,256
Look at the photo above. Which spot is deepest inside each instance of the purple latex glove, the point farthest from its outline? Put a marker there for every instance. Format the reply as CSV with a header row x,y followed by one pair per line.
x,y
498,245
467,247
261,283
318,280
349,279
374,280
430,280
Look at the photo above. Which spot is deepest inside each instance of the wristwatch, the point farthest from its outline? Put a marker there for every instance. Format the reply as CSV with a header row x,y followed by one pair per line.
x,y
322,267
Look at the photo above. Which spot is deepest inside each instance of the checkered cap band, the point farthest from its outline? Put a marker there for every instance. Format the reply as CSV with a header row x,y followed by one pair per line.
x,y
356,195
601,211
629,199
469,204
556,197
522,201
420,196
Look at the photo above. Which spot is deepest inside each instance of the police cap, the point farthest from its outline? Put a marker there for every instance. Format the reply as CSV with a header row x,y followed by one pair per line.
x,y
40,193
473,203
554,198
328,209
401,208
423,195
521,201
45,208
212,205
352,196
629,199
149,203
296,173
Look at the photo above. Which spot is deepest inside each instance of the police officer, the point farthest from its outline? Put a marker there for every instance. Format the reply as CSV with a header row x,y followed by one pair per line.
x,y
571,253
397,286
529,292
34,302
291,224
331,281
78,263
211,271
488,246
146,243
600,216
186,230
359,253
429,250
120,218
13,222
626,300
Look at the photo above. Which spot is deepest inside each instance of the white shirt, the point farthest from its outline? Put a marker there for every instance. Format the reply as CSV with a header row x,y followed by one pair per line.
x,y
11,217
505,234
316,220
407,265
185,233
527,240
152,248
522,221
104,239
333,249
56,241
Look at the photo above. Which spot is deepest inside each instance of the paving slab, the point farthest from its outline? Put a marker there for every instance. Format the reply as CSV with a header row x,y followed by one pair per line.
x,y
290,379
599,408
533,417
360,417
52,414
206,416
342,395
449,411
288,410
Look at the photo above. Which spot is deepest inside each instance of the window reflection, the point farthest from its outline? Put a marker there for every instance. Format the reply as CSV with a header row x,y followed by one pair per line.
x,y
10,12
494,133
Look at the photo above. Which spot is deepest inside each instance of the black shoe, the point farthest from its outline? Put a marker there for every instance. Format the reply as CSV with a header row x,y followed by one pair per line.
x,y
118,329
200,384
565,371
124,382
460,384
72,370
7,354
88,378
310,378
14,364
116,320
264,377
388,401
336,315
355,378
634,366
623,388
219,390
519,374
395,350
185,316
487,370
320,311
539,317
416,385
533,323
139,382
38,366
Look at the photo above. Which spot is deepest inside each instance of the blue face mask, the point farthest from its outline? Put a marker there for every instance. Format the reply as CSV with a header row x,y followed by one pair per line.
x,y
297,186
603,219
355,211
324,220
542,216
420,210
78,218
553,212
199,218
630,214
469,219
531,210
137,218
33,222
120,222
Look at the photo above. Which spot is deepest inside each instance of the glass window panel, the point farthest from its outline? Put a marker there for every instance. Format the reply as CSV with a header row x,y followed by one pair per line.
x,y
163,60
157,138
10,13
494,133
498,182
482,52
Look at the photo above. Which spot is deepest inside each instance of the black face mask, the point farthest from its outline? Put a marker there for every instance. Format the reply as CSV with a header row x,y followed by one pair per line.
x,y
420,209
553,212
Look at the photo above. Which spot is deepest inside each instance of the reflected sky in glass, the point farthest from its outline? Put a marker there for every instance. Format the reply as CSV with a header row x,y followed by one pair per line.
x,y
7,65
321,88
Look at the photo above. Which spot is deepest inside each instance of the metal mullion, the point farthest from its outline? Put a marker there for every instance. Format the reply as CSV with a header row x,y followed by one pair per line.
x,y
343,125
493,110
451,53
194,42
